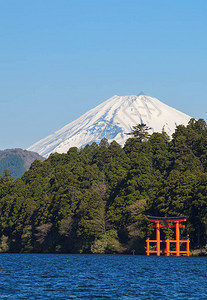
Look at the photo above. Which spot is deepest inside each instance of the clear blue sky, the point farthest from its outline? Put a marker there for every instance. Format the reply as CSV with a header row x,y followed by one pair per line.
x,y
60,58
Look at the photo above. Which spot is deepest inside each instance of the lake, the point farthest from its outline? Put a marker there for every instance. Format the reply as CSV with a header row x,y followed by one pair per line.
x,y
51,276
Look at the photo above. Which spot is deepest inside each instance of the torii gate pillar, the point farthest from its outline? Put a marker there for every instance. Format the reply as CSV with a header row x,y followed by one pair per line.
x,y
168,222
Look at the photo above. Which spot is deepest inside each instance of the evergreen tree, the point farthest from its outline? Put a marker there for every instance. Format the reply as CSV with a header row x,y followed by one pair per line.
x,y
140,132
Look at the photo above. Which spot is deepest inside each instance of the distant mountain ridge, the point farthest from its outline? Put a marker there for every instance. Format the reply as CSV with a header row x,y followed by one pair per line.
x,y
112,119
17,161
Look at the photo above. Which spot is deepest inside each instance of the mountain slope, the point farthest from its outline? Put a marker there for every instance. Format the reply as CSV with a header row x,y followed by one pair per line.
x,y
17,161
112,119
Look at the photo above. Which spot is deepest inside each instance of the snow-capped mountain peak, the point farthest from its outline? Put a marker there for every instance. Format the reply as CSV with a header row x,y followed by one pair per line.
x,y
112,119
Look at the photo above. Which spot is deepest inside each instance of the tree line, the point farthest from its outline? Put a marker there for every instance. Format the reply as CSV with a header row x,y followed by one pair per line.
x,y
96,199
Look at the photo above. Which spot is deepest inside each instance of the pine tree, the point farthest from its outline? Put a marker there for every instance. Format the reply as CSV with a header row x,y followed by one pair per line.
x,y
140,132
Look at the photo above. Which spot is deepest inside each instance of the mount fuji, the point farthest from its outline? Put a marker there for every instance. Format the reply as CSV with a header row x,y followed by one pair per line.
x,y
112,119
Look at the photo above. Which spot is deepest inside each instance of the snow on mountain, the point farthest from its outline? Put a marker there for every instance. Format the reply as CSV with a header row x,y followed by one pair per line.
x,y
112,119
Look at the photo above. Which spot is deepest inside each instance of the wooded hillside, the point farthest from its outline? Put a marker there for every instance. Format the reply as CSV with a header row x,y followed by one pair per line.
x,y
97,199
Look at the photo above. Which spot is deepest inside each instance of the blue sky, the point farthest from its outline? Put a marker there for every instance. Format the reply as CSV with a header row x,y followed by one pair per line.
x,y
60,58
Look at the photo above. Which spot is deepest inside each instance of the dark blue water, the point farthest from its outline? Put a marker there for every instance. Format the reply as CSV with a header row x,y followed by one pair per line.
x,y
36,276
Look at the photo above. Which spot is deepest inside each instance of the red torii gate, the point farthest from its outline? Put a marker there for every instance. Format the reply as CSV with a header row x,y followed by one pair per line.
x,y
167,222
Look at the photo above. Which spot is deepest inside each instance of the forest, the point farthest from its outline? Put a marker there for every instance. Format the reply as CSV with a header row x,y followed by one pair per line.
x,y
97,199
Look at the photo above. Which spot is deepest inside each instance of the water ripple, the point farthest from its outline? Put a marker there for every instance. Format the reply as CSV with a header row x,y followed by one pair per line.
x,y
62,277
